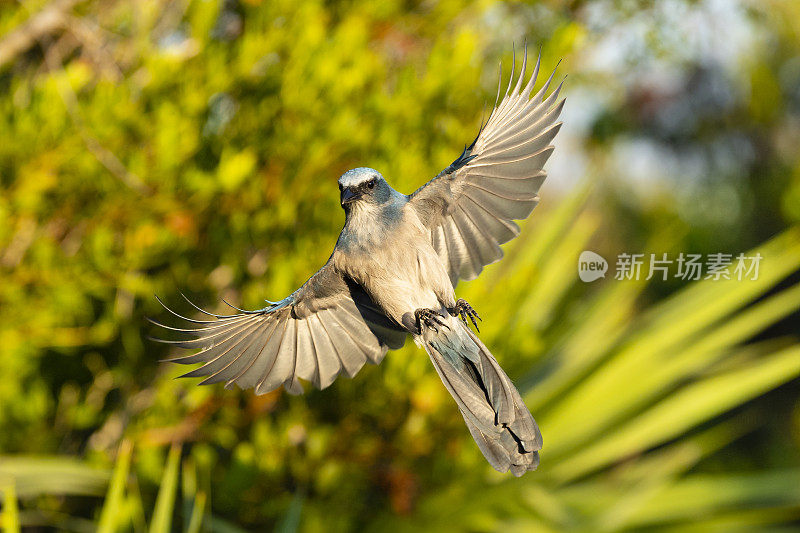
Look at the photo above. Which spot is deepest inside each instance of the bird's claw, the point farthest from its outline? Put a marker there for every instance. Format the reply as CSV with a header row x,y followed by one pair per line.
x,y
464,310
430,318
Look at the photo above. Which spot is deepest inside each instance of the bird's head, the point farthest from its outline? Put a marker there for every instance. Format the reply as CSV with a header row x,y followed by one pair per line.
x,y
363,187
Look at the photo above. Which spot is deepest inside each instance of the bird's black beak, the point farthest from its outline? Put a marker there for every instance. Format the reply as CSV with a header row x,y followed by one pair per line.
x,y
349,196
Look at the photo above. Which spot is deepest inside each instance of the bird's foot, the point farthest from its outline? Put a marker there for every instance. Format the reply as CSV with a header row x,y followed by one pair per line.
x,y
430,318
464,310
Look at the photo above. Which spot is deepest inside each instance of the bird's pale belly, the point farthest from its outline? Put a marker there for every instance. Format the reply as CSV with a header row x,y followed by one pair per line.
x,y
404,278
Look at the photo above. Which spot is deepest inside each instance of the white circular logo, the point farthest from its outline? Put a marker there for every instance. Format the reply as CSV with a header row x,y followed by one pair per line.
x,y
591,266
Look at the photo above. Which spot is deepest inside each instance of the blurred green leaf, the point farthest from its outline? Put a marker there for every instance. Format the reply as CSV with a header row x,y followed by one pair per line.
x,y
33,476
683,410
165,503
112,513
10,513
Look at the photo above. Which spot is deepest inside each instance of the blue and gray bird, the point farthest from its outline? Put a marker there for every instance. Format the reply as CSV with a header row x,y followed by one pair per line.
x,y
392,273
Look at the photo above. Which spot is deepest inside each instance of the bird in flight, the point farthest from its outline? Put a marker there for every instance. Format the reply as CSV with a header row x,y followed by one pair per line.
x,y
393,272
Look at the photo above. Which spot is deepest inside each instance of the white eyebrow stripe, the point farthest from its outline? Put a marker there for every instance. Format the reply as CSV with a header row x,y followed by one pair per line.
x,y
352,183
358,176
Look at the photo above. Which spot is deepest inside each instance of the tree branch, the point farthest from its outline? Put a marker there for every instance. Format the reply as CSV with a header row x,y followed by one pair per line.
x,y
51,18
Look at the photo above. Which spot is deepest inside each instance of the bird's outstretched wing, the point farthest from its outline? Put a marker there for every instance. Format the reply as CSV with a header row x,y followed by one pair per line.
x,y
326,327
470,207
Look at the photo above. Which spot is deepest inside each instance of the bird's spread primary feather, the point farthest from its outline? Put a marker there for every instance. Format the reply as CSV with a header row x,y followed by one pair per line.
x,y
398,255
470,210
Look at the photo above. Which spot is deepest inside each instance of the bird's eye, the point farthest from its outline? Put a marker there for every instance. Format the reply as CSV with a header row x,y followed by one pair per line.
x,y
371,183
341,188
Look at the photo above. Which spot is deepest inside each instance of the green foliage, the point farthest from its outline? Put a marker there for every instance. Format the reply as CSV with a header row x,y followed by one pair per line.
x,y
154,147
10,515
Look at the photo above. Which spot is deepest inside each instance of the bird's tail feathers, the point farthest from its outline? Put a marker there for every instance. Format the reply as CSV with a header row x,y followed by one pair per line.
x,y
492,407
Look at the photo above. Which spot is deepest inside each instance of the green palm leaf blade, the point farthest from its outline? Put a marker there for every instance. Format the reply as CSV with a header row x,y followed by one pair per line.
x,y
678,413
536,242
554,280
194,499
165,501
699,352
9,516
525,256
35,476
658,470
679,457
680,502
529,313
606,395
700,496
761,520
586,506
113,507
594,332
196,518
